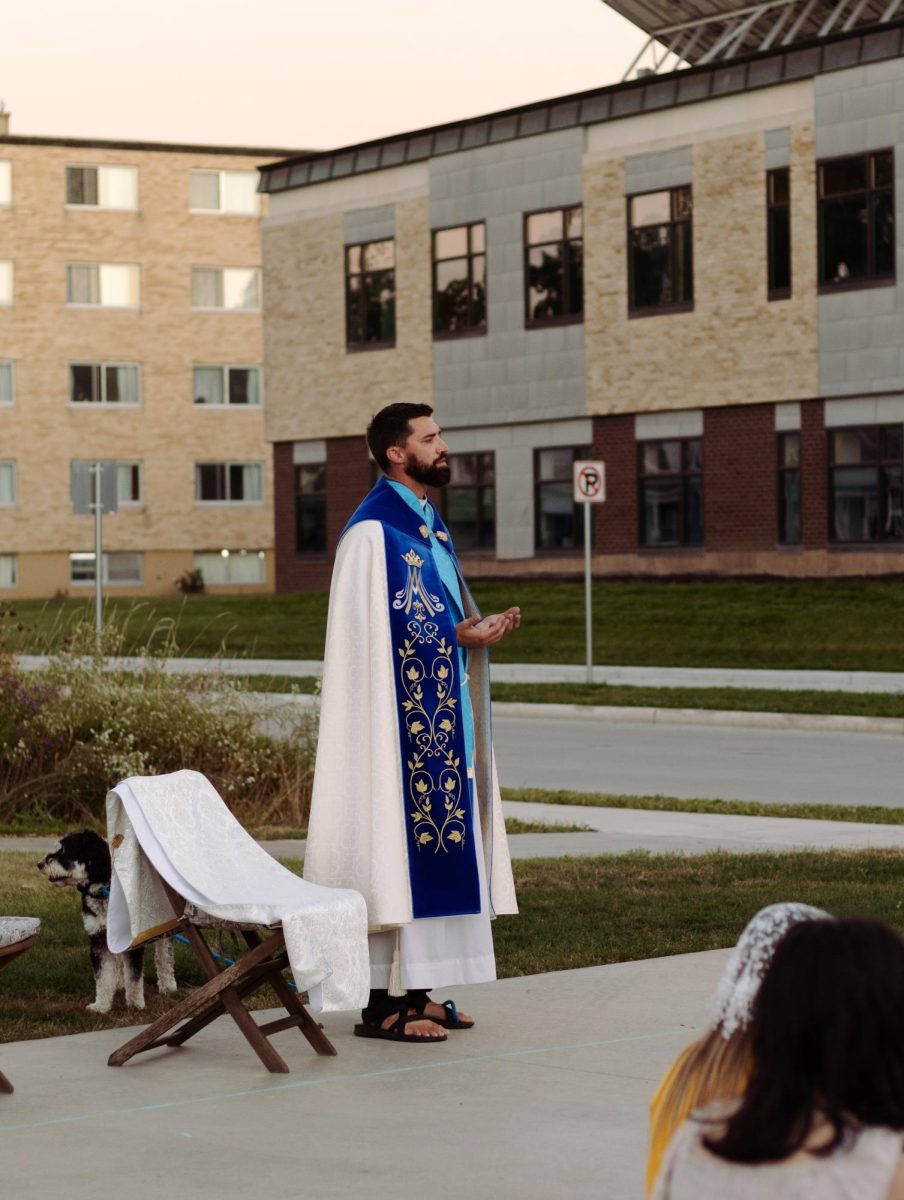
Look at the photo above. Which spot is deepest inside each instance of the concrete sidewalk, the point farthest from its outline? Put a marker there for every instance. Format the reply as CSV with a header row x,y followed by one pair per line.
x,y
676,677
547,1097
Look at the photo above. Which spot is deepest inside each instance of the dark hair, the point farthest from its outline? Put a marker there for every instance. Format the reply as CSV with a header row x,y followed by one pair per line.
x,y
827,1038
390,427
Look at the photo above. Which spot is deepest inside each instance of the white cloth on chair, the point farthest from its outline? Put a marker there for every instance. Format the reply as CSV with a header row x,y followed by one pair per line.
x,y
177,828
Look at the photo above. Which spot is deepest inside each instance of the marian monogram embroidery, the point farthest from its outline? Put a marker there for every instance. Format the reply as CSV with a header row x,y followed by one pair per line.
x,y
427,673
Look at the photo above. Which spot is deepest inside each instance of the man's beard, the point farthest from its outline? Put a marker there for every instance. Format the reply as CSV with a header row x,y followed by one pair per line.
x,y
437,475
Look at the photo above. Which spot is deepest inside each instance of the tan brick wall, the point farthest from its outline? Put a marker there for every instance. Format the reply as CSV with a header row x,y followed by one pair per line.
x,y
315,387
167,433
735,347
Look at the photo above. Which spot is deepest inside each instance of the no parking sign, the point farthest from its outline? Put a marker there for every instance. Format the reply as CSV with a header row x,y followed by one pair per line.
x,y
589,482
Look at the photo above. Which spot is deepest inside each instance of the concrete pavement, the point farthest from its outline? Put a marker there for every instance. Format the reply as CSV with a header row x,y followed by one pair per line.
x,y
546,1097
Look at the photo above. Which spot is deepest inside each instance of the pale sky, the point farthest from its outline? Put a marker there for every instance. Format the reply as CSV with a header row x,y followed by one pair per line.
x,y
294,73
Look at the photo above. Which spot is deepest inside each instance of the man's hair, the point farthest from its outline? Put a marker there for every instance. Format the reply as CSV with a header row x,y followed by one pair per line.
x,y
391,427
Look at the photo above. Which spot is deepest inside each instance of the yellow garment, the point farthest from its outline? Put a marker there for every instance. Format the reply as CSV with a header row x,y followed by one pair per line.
x,y
660,1132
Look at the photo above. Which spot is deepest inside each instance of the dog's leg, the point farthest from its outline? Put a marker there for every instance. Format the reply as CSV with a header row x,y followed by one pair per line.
x,y
106,974
165,964
133,976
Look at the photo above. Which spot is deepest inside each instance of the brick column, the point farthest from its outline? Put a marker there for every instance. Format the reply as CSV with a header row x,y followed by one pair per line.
x,y
813,475
615,522
284,517
739,478
348,480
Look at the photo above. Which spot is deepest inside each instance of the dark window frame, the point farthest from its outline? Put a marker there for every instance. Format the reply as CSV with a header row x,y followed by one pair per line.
x,y
299,498
355,346
470,329
782,472
682,476
871,278
480,488
576,316
880,465
579,453
773,208
674,306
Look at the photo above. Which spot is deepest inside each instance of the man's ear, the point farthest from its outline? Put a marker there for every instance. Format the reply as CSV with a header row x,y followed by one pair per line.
x,y
396,454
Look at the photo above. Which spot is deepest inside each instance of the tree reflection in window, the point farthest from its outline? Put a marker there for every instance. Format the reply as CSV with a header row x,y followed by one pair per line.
x,y
866,483
460,280
671,492
660,250
857,219
370,293
554,265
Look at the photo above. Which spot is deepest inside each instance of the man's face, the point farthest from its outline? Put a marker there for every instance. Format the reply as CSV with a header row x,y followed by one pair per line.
x,y
426,454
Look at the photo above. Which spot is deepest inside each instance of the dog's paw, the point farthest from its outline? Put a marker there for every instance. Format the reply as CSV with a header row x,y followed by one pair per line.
x,y
98,1008
135,1002
164,986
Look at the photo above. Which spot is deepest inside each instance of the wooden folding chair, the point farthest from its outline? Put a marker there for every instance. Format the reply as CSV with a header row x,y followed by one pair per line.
x,y
226,988
17,934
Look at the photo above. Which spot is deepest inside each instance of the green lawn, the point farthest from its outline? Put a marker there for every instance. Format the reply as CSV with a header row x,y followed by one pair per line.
x,y
575,912
838,624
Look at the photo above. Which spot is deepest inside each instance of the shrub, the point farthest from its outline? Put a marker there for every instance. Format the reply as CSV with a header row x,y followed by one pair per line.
x,y
190,583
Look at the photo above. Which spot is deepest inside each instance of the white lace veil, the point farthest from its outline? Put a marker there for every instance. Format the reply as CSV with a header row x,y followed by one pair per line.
x,y
732,1002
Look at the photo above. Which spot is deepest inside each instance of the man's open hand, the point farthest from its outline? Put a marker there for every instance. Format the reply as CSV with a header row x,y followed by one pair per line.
x,y
486,631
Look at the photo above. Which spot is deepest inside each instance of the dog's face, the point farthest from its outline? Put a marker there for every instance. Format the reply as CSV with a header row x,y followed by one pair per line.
x,y
80,858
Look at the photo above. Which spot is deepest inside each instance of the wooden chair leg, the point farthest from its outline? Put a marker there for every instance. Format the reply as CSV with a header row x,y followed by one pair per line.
x,y
311,1029
5,1085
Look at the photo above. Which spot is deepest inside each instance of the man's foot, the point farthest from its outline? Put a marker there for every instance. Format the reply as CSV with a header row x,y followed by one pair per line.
x,y
447,1015
421,1028
402,1027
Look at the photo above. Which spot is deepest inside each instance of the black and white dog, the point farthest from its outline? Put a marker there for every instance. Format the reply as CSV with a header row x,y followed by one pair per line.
x,y
82,861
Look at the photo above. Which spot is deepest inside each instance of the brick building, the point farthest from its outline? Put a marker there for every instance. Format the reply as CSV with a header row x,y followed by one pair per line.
x,y
692,275
130,332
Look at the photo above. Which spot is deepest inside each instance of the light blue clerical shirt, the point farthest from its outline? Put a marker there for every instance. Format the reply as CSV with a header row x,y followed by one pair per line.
x,y
449,576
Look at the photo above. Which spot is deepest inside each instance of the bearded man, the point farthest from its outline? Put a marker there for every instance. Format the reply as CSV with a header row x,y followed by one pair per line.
x,y
406,806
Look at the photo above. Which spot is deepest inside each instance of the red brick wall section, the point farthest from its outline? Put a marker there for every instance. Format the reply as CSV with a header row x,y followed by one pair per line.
x,y
615,527
740,478
813,474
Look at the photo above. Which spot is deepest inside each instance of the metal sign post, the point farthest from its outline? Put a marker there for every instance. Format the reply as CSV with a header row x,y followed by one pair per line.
x,y
589,488
96,477
94,490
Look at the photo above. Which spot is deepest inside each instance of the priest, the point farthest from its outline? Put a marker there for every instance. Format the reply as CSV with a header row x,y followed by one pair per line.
x,y
406,806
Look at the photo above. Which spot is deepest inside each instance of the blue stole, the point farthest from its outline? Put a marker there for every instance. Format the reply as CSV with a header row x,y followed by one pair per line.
x,y
442,858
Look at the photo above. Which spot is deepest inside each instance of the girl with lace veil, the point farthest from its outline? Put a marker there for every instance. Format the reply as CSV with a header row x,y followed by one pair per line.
x,y
717,1064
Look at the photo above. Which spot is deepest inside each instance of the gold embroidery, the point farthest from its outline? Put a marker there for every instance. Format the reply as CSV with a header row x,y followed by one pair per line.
x,y
442,536
425,532
435,780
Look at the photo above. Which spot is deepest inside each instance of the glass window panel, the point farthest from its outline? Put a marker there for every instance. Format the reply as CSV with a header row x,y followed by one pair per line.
x,y
122,567
204,188
118,285
884,169
252,482
487,466
683,263
789,450
6,281
855,503
892,443
574,222
478,292
84,383
544,227
655,208
81,568
239,192
118,187
855,445
546,281
451,243
452,295
208,385
845,239
693,455
380,306
9,575
121,385
6,383
478,238
779,249
574,268
779,186
206,287
789,507
651,282
240,288
310,479
693,510
81,185
556,525
128,482
379,256
662,512
82,283
845,175
464,469
893,514
244,386
6,181
661,458
557,463
210,481
310,524
353,259
682,205
884,234
7,483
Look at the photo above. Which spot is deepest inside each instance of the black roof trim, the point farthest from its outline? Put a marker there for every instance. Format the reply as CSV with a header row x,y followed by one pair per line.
x,y
786,64
16,139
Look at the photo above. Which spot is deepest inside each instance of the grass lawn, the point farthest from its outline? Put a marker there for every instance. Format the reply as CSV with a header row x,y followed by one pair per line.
x,y
575,912
839,624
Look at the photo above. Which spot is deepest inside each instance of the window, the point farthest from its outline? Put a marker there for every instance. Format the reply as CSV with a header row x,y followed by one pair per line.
x,y
370,294
554,266
109,285
103,383
660,251
866,484
310,508
460,280
6,283
102,187
789,528
857,219
469,501
9,571
557,526
129,479
6,181
224,192
7,484
218,386
228,483
778,233
120,567
234,567
671,492
236,288
7,388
